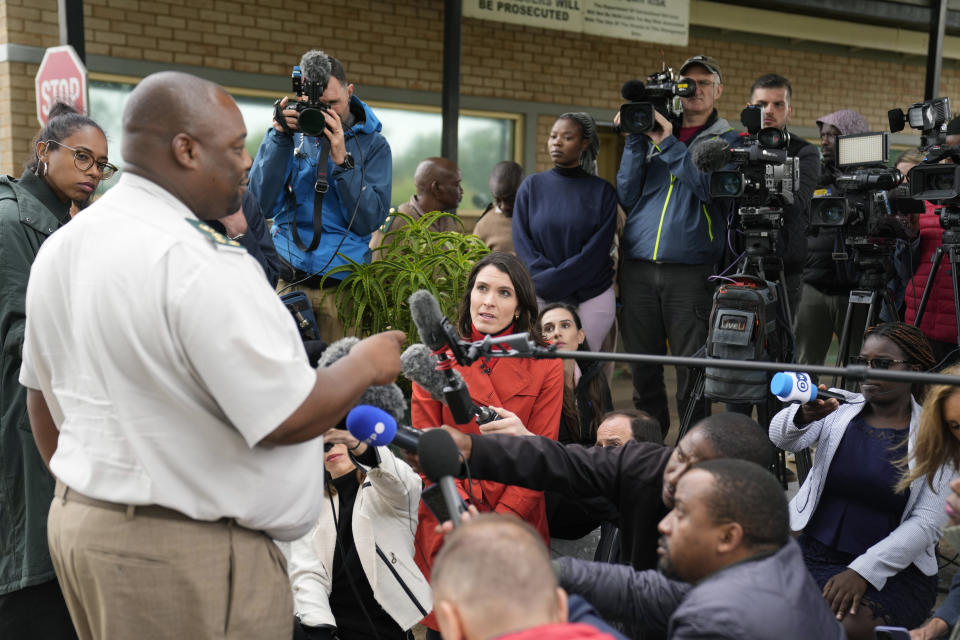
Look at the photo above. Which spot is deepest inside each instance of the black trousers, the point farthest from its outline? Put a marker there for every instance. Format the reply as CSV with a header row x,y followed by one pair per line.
x,y
38,612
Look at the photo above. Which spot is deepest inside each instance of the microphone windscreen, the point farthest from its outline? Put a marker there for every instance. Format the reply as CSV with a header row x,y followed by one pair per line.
x,y
337,350
387,397
425,313
438,454
315,66
711,155
420,365
632,90
793,387
371,425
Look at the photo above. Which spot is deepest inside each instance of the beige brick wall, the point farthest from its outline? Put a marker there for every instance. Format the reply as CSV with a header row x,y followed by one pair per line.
x,y
399,45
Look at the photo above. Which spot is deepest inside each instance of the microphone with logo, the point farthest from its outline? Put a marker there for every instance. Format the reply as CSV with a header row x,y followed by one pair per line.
x,y
436,332
420,365
375,427
791,386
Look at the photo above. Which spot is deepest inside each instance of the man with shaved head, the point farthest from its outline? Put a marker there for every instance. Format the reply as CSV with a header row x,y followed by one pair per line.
x,y
169,393
437,181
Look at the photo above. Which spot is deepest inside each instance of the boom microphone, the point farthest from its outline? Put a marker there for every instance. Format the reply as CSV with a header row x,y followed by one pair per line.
x,y
420,365
440,461
711,155
377,428
798,387
387,397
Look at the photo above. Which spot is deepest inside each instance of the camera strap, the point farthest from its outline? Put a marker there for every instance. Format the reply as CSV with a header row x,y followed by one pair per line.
x,y
320,187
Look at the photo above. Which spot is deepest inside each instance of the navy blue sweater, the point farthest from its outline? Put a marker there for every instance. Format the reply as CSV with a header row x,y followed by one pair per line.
x,y
563,226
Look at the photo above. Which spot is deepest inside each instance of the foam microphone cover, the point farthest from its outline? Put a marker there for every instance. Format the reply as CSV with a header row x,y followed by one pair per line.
x,y
420,365
439,455
371,425
425,313
388,397
315,66
632,90
711,155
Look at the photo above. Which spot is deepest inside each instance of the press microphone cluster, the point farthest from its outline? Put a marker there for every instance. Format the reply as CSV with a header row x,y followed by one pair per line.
x,y
439,336
420,365
799,387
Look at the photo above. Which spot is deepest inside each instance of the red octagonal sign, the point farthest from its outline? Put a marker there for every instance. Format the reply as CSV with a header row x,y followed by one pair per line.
x,y
62,77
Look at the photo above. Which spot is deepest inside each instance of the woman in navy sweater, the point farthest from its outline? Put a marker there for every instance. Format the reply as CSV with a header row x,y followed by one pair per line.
x,y
564,221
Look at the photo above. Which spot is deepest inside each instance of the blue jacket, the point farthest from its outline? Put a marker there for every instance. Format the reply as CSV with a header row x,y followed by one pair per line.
x,y
670,217
363,192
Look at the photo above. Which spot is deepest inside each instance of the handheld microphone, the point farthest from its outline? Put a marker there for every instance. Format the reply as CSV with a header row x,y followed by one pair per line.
x,y
377,428
711,155
792,386
440,461
387,397
420,365
438,334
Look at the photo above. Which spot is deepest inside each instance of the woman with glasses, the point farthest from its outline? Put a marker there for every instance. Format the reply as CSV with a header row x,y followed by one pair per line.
x,y
69,161
869,545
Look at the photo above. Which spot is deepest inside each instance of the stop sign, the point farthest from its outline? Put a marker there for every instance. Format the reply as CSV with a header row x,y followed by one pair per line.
x,y
62,77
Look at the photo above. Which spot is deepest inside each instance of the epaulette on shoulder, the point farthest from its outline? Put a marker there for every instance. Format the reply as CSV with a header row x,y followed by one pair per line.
x,y
391,216
218,240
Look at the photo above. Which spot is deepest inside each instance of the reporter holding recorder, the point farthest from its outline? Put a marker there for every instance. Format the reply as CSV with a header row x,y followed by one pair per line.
x,y
870,547
499,300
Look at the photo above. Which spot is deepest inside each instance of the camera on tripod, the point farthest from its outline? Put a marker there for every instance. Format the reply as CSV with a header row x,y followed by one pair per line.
x,y
310,119
863,206
765,174
662,92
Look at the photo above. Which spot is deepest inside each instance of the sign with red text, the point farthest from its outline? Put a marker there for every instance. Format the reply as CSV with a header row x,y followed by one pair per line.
x,y
62,77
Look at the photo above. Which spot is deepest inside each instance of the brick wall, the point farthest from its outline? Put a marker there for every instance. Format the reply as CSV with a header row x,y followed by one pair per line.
x,y
394,44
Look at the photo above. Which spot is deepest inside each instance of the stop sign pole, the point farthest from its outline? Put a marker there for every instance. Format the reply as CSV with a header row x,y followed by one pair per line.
x,y
62,77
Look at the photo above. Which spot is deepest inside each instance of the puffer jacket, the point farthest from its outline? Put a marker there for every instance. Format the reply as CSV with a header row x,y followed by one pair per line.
x,y
939,318
670,215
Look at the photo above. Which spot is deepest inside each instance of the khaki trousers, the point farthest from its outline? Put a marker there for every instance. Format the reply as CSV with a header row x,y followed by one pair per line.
x,y
126,575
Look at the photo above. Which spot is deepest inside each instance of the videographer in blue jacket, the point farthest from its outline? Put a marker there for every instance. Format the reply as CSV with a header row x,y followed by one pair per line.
x,y
673,239
359,171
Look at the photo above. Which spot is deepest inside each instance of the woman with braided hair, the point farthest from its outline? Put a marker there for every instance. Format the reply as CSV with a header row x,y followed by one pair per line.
x,y
564,221
868,542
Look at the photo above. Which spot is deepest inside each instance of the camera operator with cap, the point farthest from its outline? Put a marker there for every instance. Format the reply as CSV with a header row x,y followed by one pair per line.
x,y
359,173
826,282
773,94
673,238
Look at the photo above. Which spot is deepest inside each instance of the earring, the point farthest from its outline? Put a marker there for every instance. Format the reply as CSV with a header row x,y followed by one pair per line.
x,y
44,168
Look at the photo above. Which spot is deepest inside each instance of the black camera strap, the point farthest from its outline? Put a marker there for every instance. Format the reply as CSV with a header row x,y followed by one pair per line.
x,y
320,187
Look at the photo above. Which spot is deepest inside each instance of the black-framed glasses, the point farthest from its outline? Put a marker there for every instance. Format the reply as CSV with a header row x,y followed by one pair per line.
x,y
876,363
327,446
83,160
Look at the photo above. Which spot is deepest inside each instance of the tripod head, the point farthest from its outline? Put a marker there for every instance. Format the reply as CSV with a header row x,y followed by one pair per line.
x,y
760,232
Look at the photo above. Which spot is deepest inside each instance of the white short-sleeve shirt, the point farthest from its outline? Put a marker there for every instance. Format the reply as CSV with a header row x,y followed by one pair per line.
x,y
165,357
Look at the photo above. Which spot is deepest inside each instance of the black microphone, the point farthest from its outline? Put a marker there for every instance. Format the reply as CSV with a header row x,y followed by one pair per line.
x,y
420,365
437,333
632,90
388,397
711,155
440,461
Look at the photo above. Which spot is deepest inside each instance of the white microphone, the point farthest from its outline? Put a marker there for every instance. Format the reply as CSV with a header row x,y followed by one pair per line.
x,y
792,386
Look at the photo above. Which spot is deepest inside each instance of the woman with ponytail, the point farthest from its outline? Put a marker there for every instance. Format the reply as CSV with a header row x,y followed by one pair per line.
x,y
564,222
68,162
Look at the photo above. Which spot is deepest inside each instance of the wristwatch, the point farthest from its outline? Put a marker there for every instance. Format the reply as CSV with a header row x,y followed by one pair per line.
x,y
347,163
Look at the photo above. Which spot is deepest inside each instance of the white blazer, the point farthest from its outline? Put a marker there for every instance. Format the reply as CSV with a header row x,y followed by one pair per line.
x,y
914,540
384,525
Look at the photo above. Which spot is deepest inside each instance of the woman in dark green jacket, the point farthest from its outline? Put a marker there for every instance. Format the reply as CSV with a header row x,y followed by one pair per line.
x,y
69,161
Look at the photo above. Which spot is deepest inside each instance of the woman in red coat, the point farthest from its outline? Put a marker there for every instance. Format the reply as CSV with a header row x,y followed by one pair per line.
x,y
500,300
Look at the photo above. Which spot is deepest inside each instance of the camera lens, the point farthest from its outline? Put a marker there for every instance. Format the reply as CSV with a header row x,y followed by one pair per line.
x,y
312,122
726,183
832,214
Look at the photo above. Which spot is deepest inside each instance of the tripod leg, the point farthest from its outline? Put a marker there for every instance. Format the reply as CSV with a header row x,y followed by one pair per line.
x,y
844,338
696,396
937,257
954,260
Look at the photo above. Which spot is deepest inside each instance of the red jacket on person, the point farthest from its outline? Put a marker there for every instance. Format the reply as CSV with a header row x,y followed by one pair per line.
x,y
939,319
533,390
569,631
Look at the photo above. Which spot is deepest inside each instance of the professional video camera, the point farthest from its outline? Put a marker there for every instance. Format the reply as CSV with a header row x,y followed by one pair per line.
x,y
862,206
929,117
662,92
